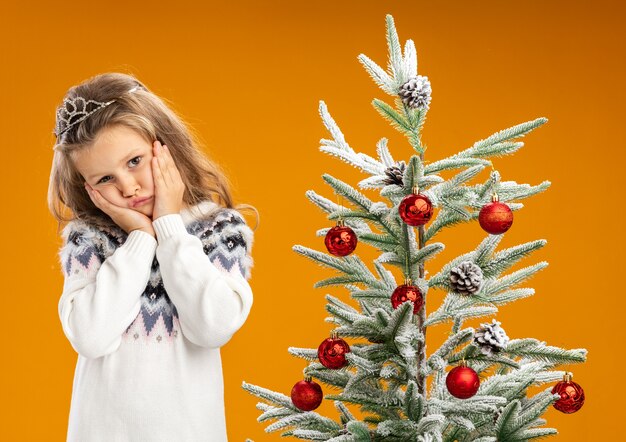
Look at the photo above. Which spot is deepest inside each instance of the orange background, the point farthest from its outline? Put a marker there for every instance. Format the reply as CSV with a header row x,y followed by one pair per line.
x,y
250,76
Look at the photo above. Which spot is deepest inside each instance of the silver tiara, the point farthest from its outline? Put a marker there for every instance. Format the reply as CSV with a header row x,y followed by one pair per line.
x,y
75,110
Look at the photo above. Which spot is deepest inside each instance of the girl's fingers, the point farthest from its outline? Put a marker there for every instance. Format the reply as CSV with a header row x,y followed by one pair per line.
x,y
156,172
98,199
90,193
101,202
156,169
104,204
166,164
174,172
165,172
156,165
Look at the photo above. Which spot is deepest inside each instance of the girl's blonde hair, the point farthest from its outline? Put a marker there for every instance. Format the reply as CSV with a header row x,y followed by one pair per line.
x,y
147,114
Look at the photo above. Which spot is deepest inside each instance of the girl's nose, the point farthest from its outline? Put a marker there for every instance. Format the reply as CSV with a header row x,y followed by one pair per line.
x,y
129,188
133,193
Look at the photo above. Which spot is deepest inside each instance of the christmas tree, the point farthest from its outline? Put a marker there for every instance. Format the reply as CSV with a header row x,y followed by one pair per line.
x,y
478,379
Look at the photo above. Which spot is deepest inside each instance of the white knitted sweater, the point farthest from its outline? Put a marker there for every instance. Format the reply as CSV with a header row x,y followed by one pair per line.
x,y
147,329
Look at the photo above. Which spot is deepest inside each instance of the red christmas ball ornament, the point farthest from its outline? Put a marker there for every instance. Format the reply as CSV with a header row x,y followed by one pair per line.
x,y
332,352
572,395
415,209
407,292
340,240
495,217
306,394
462,381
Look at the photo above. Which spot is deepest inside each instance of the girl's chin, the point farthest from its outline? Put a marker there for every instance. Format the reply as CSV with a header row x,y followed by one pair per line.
x,y
148,212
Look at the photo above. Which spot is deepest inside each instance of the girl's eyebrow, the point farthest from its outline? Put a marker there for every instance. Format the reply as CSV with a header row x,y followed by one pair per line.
x,y
124,161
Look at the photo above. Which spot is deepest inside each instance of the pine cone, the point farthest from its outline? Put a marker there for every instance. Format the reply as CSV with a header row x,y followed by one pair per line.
x,y
491,338
467,278
395,174
415,93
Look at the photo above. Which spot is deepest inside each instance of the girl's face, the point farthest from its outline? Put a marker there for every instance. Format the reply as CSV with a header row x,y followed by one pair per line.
x,y
119,166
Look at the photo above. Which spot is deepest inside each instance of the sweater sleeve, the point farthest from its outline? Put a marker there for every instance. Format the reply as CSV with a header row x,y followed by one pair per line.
x,y
205,274
101,297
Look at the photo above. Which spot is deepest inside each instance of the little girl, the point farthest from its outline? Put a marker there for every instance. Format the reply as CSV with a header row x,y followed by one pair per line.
x,y
156,272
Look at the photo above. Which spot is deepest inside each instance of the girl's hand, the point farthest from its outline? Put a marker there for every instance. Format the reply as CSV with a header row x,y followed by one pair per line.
x,y
168,185
124,217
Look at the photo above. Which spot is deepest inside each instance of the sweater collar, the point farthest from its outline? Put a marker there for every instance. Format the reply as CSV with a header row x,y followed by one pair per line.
x,y
198,211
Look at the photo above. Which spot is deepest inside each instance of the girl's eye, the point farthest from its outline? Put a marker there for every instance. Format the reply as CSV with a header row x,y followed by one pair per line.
x,y
102,180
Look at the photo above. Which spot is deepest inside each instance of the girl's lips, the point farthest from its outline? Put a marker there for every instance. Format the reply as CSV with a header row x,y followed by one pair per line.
x,y
141,201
